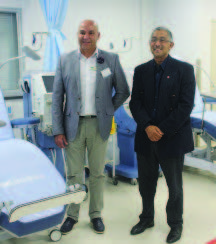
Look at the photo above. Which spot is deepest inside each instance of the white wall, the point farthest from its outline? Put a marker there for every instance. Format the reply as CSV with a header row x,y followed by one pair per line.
x,y
208,14
182,18
117,21
189,20
32,20
190,23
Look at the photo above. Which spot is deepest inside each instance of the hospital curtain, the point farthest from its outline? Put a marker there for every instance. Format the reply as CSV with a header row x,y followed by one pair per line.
x,y
54,12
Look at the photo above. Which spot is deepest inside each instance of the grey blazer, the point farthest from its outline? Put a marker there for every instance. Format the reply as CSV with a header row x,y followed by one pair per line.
x,y
65,117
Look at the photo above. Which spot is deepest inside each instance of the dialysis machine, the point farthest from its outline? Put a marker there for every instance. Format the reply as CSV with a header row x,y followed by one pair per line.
x,y
41,95
37,102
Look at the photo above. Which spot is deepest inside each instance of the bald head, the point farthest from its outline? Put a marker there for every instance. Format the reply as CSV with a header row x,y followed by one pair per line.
x,y
88,35
89,22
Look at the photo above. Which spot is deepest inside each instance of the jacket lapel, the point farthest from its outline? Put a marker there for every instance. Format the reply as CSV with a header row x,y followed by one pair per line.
x,y
100,67
167,80
75,71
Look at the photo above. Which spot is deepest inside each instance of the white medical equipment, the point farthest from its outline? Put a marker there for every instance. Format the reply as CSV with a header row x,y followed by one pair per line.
x,y
41,95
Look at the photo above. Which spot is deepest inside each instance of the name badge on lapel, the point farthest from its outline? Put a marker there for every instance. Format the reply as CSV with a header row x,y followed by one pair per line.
x,y
106,72
93,68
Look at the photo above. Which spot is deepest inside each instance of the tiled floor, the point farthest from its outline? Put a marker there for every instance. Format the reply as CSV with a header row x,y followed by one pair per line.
x,y
123,205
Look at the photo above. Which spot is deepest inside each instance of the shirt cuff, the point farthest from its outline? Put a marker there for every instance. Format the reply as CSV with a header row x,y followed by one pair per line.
x,y
146,125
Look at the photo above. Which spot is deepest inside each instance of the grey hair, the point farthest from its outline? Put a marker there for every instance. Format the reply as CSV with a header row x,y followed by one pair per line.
x,y
164,29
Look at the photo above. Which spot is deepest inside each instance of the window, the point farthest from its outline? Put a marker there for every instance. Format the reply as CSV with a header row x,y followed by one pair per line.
x,y
9,48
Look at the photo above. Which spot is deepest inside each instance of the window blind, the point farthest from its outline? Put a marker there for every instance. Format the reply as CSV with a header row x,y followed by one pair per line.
x,y
9,73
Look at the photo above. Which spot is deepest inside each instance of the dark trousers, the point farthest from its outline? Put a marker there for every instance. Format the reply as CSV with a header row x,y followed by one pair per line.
x,y
148,176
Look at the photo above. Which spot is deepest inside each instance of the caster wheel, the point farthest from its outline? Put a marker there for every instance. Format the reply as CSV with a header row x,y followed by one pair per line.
x,y
133,181
115,182
55,235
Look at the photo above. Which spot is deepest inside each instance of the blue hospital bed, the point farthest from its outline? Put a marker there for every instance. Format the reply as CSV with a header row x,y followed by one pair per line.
x,y
33,194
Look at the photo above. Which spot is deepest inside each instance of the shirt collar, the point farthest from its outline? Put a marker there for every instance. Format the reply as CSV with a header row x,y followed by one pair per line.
x,y
163,64
95,54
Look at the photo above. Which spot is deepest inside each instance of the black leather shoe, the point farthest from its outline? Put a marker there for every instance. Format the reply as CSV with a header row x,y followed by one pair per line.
x,y
98,225
141,227
174,235
68,225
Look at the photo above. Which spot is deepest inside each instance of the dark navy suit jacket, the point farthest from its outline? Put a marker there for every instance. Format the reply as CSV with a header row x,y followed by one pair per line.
x,y
176,101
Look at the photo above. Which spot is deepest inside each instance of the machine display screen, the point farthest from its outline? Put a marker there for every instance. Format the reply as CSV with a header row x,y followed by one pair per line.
x,y
48,82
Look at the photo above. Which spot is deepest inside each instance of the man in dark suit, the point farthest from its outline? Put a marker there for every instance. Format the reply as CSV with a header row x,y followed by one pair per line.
x,y
161,102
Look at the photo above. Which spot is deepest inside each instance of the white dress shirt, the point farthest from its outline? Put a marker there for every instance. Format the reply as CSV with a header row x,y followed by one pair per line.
x,y
88,70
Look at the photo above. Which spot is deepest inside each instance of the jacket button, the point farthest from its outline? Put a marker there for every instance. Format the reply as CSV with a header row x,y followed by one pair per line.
x,y
171,109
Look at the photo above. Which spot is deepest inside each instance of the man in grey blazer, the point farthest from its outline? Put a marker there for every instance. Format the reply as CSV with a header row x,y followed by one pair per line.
x,y
86,78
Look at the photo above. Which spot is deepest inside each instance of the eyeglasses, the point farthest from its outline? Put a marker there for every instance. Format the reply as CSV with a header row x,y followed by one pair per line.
x,y
161,40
